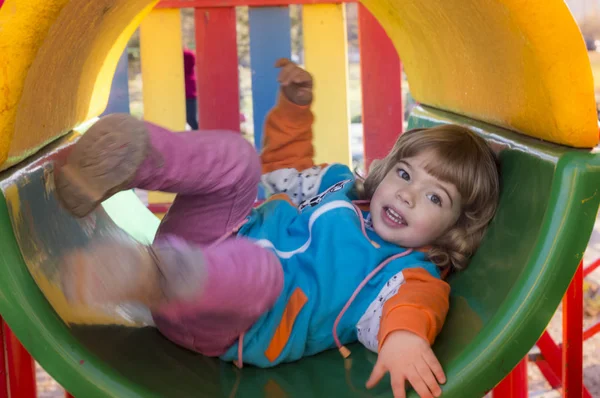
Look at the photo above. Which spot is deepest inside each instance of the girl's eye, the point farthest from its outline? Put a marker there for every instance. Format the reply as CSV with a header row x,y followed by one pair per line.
x,y
403,174
436,200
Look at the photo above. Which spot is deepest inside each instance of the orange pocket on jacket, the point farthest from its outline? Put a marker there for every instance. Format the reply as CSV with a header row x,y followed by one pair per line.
x,y
282,334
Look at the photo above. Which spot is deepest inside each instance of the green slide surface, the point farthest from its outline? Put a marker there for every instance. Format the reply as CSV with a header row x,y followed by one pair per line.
x,y
499,307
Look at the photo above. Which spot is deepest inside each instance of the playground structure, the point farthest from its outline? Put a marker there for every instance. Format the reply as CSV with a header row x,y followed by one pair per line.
x,y
500,306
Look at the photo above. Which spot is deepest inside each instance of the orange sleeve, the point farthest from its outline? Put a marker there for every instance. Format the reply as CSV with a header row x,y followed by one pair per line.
x,y
287,139
420,306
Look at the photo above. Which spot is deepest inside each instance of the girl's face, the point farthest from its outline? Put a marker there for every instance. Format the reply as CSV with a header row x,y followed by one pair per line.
x,y
410,207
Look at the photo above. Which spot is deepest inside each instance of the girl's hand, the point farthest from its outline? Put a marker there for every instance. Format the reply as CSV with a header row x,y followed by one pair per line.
x,y
296,83
408,357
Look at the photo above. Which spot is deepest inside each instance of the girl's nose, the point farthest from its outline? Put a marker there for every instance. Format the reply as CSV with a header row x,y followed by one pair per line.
x,y
406,196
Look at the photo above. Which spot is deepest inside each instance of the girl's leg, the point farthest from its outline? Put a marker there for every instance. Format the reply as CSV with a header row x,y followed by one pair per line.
x,y
242,281
214,173
202,299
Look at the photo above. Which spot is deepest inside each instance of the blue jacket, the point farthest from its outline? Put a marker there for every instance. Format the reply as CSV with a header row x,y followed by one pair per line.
x,y
325,255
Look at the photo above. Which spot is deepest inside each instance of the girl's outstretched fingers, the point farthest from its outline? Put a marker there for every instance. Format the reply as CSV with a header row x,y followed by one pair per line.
x,y
376,375
408,357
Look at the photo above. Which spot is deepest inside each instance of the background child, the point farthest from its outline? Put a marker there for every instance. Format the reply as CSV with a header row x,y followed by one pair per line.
x,y
313,267
191,94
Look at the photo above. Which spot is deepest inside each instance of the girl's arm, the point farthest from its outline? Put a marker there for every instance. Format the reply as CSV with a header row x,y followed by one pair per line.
x,y
287,137
420,306
287,157
413,301
412,315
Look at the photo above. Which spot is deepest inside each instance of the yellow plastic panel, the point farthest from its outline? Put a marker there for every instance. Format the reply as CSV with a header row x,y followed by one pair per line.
x,y
162,75
162,69
517,64
325,50
23,27
56,59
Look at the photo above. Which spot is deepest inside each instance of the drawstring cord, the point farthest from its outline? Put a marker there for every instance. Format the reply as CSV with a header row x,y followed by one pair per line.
x,y
240,363
342,349
362,221
234,231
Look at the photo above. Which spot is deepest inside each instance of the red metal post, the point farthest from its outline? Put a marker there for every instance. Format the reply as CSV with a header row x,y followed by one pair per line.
x,y
67,395
590,268
549,374
596,328
552,357
3,366
515,384
572,350
554,362
591,331
21,368
381,75
217,69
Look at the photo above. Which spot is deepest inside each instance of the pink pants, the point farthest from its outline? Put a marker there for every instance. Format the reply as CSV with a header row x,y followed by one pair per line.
x,y
215,175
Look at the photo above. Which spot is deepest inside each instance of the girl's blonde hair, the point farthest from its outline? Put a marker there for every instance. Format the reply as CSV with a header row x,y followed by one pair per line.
x,y
463,159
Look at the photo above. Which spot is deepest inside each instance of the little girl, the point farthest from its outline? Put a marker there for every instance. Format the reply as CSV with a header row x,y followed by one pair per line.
x,y
326,261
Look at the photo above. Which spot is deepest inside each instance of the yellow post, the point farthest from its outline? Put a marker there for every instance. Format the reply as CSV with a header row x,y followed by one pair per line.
x,y
162,75
325,49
